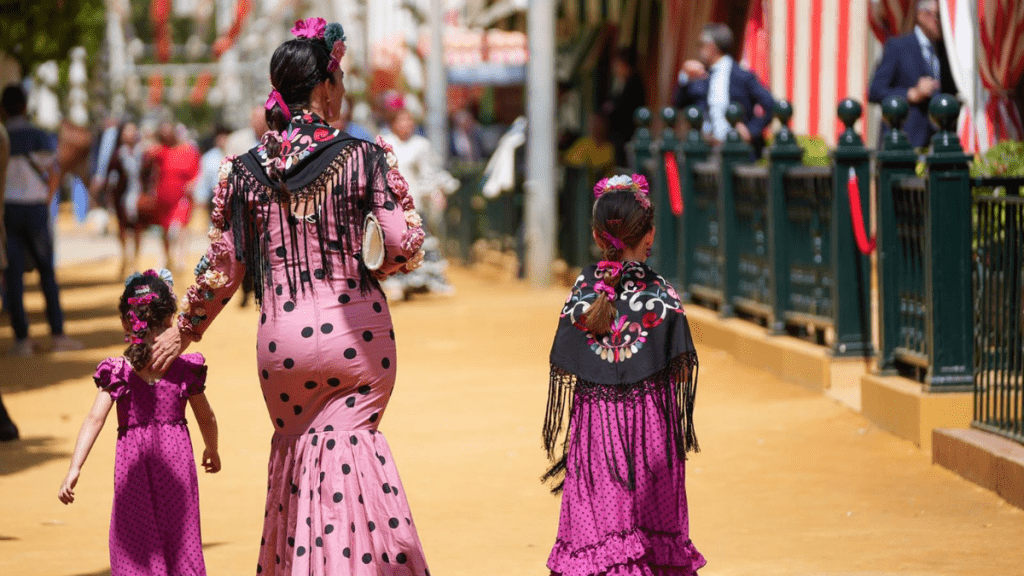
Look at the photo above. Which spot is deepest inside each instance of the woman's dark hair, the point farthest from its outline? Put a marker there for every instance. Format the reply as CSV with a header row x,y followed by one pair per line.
x,y
619,214
143,318
296,68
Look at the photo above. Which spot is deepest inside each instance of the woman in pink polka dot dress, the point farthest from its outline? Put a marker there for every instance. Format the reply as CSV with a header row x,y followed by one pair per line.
x,y
290,215
154,524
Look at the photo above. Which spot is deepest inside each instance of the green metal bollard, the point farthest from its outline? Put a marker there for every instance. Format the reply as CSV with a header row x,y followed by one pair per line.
x,y
664,255
784,153
948,326
896,158
851,287
694,149
734,151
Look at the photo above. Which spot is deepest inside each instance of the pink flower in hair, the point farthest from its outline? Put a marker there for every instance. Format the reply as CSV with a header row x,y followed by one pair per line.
x,y
640,183
600,187
337,53
309,28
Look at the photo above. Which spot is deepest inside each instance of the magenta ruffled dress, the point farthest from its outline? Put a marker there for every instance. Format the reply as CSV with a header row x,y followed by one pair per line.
x,y
154,524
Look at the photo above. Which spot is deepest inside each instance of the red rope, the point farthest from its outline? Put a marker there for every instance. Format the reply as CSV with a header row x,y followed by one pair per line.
x,y
857,216
675,193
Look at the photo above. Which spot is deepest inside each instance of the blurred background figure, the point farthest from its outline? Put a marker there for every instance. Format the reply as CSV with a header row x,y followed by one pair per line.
x,y
123,183
428,185
210,165
467,144
8,431
170,167
31,183
716,80
345,123
240,141
593,151
625,95
915,66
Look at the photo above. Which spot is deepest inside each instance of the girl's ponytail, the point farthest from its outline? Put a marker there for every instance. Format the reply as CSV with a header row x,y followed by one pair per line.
x,y
602,313
278,115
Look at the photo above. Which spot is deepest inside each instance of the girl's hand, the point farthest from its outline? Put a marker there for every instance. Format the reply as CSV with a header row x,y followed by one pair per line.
x,y
211,461
67,489
167,346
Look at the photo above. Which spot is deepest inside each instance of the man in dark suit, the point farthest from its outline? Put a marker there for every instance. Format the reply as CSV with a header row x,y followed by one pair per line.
x,y
915,66
715,81
625,95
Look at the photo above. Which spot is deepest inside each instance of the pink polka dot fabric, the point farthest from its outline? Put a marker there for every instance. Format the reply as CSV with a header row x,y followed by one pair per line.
x,y
154,523
606,529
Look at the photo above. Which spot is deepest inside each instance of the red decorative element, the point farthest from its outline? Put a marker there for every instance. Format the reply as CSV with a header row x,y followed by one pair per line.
x,y
860,235
1000,27
675,192
202,87
156,89
650,320
160,11
221,45
321,134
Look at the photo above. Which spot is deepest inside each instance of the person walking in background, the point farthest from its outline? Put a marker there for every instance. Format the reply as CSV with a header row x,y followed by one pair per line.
x,y
171,166
124,183
916,67
592,152
8,431
209,166
428,185
716,80
467,143
625,95
292,218
623,381
31,184
154,522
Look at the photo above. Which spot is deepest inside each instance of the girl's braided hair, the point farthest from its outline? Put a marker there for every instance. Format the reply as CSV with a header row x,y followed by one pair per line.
x,y
146,304
621,216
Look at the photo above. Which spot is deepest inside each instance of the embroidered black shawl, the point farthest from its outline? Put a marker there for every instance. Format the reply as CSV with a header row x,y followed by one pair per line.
x,y
317,171
649,351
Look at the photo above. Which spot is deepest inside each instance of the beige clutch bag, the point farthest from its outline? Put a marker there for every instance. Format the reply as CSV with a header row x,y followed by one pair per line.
x,y
373,243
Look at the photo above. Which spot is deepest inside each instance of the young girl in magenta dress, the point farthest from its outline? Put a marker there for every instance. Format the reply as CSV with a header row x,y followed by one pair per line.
x,y
624,370
154,524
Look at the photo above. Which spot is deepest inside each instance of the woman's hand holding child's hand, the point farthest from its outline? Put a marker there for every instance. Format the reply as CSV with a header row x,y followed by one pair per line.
x,y
67,489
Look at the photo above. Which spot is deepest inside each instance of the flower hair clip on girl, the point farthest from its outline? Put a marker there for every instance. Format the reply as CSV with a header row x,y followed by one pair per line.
x,y
636,183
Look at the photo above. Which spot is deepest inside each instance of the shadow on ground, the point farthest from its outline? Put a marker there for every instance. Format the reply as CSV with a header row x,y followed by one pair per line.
x,y
26,453
40,371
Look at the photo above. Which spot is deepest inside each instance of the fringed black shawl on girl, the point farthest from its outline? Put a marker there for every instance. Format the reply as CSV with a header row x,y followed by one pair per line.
x,y
317,171
648,352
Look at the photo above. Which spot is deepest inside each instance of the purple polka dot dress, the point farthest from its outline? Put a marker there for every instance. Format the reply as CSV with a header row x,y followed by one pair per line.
x,y
326,363
154,524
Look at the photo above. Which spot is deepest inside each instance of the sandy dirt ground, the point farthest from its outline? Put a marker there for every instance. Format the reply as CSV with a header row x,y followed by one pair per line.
x,y
788,482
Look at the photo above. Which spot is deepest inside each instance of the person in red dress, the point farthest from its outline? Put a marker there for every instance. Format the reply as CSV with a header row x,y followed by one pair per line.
x,y
172,166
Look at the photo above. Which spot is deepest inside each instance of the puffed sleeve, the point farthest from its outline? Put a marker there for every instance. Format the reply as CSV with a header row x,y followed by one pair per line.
x,y
219,273
111,375
194,378
396,212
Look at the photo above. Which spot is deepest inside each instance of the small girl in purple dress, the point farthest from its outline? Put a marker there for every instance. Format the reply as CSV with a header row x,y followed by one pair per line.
x,y
624,369
154,524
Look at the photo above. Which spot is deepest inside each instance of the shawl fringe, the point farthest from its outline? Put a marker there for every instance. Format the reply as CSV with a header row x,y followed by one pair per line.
x,y
251,204
674,391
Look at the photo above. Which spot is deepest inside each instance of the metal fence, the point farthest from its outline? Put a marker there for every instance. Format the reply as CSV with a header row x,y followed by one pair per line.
x,y
704,282
754,273
998,291
807,232
910,206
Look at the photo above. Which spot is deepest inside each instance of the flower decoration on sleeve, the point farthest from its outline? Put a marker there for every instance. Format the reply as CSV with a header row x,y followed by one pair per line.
x,y
309,28
415,262
636,183
225,168
413,219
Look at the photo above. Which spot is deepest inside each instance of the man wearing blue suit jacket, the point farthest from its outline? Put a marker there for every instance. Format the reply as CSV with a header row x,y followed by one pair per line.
x,y
715,81
916,67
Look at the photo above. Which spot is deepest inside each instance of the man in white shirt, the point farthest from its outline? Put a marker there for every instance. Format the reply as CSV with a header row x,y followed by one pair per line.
x,y
30,185
716,80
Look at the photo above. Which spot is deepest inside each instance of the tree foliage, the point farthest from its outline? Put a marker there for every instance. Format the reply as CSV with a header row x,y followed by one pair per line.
x,y
35,31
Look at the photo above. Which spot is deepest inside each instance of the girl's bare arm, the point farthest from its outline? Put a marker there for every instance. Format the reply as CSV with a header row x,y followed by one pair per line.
x,y
86,438
208,428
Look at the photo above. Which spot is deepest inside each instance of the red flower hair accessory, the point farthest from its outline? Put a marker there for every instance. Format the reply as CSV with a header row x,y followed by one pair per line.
x,y
636,183
309,28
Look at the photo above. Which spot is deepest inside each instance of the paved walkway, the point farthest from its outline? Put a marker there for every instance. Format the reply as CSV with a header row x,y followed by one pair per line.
x,y
788,483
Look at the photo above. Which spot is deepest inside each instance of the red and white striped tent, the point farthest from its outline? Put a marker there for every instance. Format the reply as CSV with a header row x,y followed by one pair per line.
x,y
819,54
